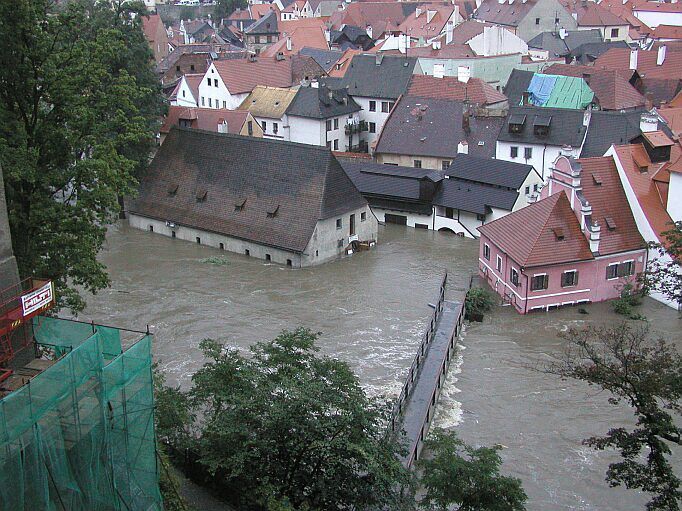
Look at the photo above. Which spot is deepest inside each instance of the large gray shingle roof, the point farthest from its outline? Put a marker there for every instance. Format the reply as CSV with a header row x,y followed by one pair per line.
x,y
566,126
322,103
378,76
488,171
303,183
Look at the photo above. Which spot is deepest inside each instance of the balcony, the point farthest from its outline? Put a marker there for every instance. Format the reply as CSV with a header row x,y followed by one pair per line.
x,y
358,127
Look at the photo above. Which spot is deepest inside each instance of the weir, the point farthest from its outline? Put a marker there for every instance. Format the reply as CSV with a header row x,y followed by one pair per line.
x,y
416,405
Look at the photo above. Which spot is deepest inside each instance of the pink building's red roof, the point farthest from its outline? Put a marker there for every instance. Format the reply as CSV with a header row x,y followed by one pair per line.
x,y
449,87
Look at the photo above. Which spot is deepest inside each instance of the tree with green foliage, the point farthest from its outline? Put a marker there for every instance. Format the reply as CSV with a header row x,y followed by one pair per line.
x,y
456,474
477,302
664,273
645,374
80,105
287,428
224,8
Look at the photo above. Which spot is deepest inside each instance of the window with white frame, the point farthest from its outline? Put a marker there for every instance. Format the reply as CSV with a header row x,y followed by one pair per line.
x,y
486,251
514,276
569,278
612,271
539,282
498,263
626,268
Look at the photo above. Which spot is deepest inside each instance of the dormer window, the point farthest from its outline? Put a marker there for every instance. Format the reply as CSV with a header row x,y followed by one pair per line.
x,y
516,123
541,125
597,179
173,189
272,213
559,234
239,205
610,223
202,193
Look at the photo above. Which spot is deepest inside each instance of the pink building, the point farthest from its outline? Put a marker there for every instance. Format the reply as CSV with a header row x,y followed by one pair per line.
x,y
578,244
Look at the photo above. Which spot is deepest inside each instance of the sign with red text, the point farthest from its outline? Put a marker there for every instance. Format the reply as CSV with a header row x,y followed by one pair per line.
x,y
38,299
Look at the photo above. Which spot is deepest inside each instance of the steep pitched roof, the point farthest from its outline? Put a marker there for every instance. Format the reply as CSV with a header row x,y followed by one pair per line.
x,y
619,58
509,14
667,32
268,24
528,234
378,76
301,183
243,75
473,197
204,118
558,47
193,80
467,30
475,91
517,84
591,14
302,37
321,103
422,126
429,23
610,127
325,58
381,16
566,126
643,184
150,24
270,102
608,200
487,171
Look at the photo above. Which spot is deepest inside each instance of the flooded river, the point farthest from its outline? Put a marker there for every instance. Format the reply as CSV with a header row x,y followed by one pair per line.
x,y
371,309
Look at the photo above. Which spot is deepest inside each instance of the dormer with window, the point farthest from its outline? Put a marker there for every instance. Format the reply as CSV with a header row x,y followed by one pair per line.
x,y
541,125
516,123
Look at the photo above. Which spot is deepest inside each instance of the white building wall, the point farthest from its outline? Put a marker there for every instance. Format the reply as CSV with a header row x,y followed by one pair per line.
x,y
531,185
306,131
653,19
269,131
674,206
211,96
496,40
184,96
412,218
542,156
378,117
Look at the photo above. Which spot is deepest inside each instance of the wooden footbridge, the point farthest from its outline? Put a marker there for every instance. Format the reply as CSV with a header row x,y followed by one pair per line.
x,y
416,405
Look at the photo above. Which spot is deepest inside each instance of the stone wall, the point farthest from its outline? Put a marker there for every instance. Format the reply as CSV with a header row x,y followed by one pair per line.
x,y
8,265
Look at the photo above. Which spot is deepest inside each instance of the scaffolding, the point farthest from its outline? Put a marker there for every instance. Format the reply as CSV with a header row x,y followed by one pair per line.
x,y
79,435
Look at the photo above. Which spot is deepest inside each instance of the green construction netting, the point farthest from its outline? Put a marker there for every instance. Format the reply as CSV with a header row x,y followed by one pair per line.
x,y
80,435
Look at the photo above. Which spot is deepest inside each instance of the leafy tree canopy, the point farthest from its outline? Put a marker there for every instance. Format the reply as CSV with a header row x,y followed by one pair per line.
x,y
79,101
645,374
287,428
224,8
459,475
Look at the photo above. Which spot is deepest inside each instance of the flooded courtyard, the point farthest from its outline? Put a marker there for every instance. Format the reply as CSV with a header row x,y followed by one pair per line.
x,y
371,309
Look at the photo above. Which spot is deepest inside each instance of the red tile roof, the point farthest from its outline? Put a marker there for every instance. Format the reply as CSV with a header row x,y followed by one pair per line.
x,y
657,139
528,234
467,30
594,15
476,90
658,7
242,75
667,32
421,26
310,37
260,10
205,118
619,58
447,51
150,24
642,183
608,200
382,16
673,117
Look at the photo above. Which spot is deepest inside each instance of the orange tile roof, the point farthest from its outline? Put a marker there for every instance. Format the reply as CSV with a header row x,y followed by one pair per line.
x,y
310,37
657,139
381,16
260,10
658,7
619,58
528,234
150,24
447,51
667,32
476,90
420,26
609,200
467,30
193,80
204,118
242,75
644,186
339,69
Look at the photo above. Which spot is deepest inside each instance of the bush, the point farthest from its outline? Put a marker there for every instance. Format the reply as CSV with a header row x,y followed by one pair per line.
x,y
630,297
477,302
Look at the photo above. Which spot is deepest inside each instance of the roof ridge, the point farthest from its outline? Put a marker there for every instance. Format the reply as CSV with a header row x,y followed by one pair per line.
x,y
551,211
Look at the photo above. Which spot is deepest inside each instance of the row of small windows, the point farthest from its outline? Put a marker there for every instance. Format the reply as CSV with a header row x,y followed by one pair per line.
x,y
527,152
386,106
221,246
212,102
333,144
339,221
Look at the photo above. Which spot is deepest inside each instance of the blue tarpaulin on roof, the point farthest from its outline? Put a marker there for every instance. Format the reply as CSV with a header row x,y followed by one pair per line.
x,y
540,88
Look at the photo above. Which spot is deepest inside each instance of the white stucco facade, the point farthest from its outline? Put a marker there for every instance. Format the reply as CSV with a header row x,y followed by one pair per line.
x,y
653,18
375,117
274,128
541,156
314,131
214,94
496,40
674,205
184,96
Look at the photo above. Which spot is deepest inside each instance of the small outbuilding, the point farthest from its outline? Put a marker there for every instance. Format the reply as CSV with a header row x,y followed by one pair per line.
x,y
279,201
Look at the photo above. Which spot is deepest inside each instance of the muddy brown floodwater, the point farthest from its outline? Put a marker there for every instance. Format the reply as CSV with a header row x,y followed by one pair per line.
x,y
371,309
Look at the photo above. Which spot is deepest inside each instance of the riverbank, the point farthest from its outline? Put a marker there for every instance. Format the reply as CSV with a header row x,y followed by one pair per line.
x,y
371,309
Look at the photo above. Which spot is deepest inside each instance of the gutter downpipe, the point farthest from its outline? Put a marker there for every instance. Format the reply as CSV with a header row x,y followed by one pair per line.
x,y
544,150
525,301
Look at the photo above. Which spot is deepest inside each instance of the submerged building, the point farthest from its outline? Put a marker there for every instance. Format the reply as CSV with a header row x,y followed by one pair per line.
x,y
279,201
